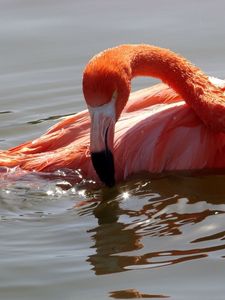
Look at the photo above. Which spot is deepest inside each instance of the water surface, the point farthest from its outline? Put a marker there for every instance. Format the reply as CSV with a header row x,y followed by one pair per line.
x,y
161,238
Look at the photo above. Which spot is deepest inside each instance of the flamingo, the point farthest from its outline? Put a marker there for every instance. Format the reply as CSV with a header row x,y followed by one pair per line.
x,y
176,125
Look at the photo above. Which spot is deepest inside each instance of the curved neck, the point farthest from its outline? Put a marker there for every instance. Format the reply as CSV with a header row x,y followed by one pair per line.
x,y
172,69
186,79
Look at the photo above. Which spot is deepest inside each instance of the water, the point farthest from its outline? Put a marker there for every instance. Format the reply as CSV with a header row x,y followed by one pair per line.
x,y
151,238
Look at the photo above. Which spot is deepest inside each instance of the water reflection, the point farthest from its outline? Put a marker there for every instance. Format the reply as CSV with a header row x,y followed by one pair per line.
x,y
134,294
111,237
142,231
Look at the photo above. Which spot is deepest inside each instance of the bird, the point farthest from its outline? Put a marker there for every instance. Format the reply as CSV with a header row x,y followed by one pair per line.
x,y
176,125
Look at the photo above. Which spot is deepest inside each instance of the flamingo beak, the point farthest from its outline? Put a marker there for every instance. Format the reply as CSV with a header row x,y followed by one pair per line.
x,y
101,142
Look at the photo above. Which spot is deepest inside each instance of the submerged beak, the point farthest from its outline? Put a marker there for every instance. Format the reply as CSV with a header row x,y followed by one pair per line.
x,y
101,142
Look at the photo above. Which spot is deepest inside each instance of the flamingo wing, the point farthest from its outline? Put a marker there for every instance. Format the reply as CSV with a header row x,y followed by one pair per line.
x,y
156,132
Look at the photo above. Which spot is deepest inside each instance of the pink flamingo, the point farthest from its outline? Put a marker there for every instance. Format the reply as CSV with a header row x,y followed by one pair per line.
x,y
155,131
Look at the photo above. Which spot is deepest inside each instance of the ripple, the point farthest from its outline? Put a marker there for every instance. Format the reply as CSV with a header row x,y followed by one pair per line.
x,y
28,193
56,117
5,112
142,231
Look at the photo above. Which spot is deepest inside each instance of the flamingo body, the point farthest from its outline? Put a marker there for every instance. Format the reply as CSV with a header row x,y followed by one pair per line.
x,y
157,132
158,129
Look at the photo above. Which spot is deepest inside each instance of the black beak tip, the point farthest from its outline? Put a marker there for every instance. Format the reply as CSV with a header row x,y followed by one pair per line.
x,y
103,163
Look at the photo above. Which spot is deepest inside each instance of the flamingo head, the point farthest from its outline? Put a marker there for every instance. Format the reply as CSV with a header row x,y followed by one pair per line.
x,y
106,88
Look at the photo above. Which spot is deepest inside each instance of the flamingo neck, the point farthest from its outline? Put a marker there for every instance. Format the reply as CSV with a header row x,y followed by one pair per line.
x,y
187,80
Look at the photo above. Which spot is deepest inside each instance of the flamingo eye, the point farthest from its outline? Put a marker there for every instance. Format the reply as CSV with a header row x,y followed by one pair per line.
x,y
114,95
